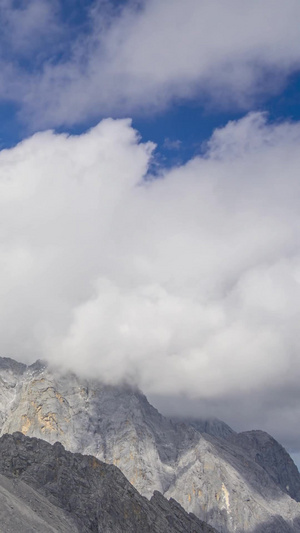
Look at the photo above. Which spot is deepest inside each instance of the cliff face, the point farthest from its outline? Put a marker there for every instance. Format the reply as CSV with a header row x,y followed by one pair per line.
x,y
216,477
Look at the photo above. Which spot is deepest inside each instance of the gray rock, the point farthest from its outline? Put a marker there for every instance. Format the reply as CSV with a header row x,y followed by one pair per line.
x,y
216,478
22,509
272,457
89,496
211,426
8,364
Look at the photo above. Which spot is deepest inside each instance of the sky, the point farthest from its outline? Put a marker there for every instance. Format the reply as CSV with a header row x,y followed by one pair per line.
x,y
149,191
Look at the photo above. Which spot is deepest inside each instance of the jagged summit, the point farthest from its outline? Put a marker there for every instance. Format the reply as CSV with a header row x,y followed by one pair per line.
x,y
217,478
6,363
38,365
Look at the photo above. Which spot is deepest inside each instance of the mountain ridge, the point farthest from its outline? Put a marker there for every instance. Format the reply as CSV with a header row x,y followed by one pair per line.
x,y
213,477
87,495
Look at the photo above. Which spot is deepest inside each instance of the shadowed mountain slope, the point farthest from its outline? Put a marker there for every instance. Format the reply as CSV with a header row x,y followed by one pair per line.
x,y
73,492
272,457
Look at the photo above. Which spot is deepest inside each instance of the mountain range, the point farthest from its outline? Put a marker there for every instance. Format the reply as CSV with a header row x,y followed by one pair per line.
x,y
235,482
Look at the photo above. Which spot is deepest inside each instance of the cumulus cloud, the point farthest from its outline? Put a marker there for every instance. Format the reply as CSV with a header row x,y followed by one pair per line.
x,y
145,55
186,284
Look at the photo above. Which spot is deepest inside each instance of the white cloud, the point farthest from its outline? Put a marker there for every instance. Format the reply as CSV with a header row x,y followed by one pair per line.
x,y
187,284
145,57
58,195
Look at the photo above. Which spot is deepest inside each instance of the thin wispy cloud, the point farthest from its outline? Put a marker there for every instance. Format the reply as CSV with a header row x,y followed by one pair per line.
x,y
25,26
144,56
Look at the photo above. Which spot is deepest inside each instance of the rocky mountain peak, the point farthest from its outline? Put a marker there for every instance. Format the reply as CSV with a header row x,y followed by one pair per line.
x,y
233,481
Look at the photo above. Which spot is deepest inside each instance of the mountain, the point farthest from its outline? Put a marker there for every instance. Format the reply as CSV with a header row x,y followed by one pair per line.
x,y
212,426
219,476
261,447
272,457
45,488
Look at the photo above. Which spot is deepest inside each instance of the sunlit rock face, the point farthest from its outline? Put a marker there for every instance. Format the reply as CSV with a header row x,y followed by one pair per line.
x,y
217,478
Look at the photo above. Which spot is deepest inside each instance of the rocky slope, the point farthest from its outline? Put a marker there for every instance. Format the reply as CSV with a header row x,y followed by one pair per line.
x,y
272,457
24,510
216,477
51,490
212,426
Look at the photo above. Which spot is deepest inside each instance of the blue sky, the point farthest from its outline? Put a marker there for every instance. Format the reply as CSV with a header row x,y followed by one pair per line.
x,y
58,33
187,285
189,122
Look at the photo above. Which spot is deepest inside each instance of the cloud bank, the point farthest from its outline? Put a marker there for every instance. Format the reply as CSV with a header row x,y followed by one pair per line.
x,y
186,284
144,55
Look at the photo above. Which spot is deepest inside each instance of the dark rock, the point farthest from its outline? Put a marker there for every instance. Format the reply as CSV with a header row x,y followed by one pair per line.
x,y
6,363
96,496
